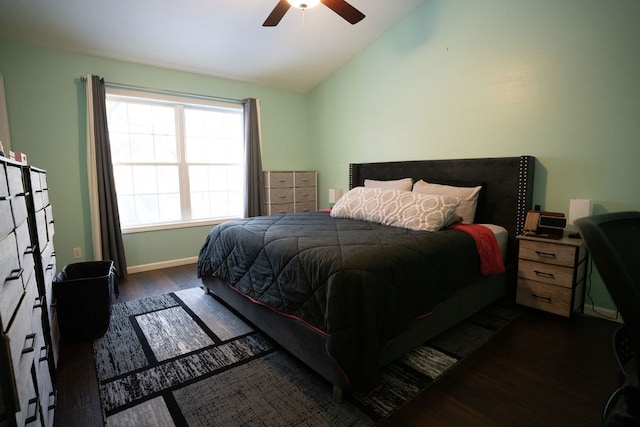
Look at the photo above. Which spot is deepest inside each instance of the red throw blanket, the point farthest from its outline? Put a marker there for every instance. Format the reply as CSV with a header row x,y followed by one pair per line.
x,y
490,257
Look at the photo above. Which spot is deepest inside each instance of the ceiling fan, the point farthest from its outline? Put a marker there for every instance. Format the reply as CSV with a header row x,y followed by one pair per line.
x,y
341,7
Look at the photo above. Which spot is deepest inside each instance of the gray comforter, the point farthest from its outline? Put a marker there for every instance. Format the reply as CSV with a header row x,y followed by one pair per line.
x,y
358,282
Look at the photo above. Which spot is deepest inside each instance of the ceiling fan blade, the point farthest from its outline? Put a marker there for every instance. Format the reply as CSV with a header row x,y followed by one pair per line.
x,y
344,9
277,13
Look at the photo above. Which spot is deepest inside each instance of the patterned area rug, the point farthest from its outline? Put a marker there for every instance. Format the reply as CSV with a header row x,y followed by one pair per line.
x,y
184,359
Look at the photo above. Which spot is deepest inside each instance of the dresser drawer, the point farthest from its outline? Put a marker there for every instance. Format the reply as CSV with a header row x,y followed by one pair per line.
x,y
48,269
29,413
36,186
17,192
43,181
41,228
4,187
49,273
24,346
305,179
546,273
305,207
25,250
279,195
47,394
19,208
279,179
548,253
48,215
45,197
280,209
14,180
11,286
54,330
6,216
306,194
542,296
36,190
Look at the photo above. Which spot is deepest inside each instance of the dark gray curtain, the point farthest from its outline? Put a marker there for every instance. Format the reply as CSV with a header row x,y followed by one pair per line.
x,y
111,234
253,193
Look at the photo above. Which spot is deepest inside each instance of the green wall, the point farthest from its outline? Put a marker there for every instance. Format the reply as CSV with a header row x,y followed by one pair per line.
x,y
46,108
559,80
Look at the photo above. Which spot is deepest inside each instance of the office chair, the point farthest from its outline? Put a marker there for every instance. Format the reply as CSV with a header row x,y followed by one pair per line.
x,y
613,241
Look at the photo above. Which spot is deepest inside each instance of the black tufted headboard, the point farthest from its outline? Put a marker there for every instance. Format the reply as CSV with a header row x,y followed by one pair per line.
x,y
507,185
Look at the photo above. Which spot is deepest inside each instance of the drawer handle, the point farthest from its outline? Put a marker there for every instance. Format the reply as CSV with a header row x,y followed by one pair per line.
x,y
37,302
6,197
44,353
547,299
546,254
29,342
16,273
29,250
53,397
544,274
50,267
283,197
32,415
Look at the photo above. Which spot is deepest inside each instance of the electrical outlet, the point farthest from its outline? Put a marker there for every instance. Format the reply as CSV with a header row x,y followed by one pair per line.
x,y
77,252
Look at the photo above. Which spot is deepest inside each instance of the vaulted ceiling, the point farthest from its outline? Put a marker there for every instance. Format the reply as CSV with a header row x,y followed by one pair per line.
x,y
223,38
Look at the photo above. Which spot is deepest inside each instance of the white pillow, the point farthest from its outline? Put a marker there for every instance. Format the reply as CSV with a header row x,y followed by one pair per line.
x,y
404,184
397,208
468,197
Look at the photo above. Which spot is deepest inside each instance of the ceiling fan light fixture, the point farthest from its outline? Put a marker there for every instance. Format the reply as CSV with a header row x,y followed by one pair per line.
x,y
303,4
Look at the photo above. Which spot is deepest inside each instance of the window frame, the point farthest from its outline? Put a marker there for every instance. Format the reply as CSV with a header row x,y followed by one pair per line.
x,y
180,103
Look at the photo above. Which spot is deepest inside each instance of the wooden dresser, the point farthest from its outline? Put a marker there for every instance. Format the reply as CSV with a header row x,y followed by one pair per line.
x,y
27,396
551,274
290,191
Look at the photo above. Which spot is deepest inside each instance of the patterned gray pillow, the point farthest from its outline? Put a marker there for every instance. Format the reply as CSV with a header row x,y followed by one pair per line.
x,y
396,208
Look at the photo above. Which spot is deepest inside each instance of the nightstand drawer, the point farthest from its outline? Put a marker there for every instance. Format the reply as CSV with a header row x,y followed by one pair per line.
x,y
548,253
550,298
546,273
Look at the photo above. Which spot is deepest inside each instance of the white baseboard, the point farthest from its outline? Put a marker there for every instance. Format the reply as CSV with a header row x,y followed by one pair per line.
x,y
162,264
604,313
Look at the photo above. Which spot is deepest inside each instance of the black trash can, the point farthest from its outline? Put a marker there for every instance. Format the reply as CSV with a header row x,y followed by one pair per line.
x,y
83,294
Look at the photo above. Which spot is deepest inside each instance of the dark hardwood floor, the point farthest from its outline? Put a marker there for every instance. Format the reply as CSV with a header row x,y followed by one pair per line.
x,y
541,370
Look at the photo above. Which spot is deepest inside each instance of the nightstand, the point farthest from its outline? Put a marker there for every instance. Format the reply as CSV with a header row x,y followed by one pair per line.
x,y
551,274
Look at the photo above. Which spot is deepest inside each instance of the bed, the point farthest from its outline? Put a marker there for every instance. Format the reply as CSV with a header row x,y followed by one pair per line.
x,y
347,296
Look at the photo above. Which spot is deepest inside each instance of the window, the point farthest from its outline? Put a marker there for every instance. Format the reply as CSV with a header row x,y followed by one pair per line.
x,y
175,161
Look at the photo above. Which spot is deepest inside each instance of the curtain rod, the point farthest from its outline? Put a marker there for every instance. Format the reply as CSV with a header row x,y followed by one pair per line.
x,y
83,79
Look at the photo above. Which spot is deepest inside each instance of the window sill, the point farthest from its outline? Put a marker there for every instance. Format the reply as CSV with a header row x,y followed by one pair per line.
x,y
174,225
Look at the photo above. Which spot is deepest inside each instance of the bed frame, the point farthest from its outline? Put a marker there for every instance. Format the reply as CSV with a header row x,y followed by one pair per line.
x,y
505,198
